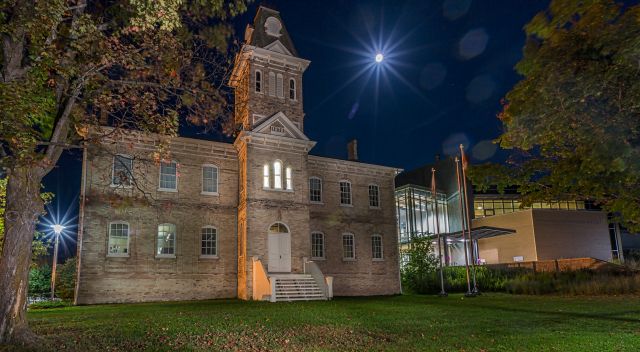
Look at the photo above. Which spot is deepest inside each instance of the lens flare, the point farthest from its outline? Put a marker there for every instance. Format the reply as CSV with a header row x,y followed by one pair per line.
x,y
379,57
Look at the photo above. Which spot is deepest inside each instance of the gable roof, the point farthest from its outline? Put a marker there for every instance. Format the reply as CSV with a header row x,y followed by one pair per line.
x,y
279,119
261,39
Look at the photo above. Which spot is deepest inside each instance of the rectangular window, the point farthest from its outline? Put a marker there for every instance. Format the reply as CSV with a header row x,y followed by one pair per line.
x,y
292,89
376,247
345,193
166,246
272,84
277,175
374,196
289,179
209,243
118,239
280,86
348,247
209,179
317,245
258,81
168,176
315,190
122,166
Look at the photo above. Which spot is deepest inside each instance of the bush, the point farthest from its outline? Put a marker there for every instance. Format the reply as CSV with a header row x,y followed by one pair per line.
x,y
40,281
419,272
49,304
66,279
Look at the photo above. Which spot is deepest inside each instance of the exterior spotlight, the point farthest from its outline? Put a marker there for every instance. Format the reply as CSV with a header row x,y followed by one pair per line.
x,y
57,229
379,57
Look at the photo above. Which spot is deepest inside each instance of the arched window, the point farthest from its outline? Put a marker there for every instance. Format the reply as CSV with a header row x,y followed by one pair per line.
x,y
289,179
315,189
272,84
376,247
292,89
317,245
209,241
265,176
278,227
166,243
277,174
118,239
258,81
280,86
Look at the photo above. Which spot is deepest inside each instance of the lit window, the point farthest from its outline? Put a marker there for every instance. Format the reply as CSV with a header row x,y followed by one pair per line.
x,y
317,245
277,174
166,246
289,180
374,196
209,244
348,247
265,176
118,239
168,176
292,89
315,189
280,86
122,166
376,247
345,193
210,179
258,82
272,84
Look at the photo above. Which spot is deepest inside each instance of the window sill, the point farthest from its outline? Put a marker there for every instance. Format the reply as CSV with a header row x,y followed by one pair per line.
x,y
347,205
374,208
209,193
377,259
172,190
209,257
316,203
166,256
113,185
277,190
117,256
321,259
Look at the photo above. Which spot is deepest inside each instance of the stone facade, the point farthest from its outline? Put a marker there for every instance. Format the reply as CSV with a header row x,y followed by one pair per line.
x,y
243,208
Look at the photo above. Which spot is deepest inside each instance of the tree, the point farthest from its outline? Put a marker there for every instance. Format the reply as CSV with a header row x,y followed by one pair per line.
x,y
71,65
573,121
419,272
66,279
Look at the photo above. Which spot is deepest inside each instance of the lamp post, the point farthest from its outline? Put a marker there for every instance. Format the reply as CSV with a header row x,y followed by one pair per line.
x,y
57,229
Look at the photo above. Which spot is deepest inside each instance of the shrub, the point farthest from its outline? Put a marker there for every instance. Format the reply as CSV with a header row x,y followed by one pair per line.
x,y
66,279
418,273
49,304
40,281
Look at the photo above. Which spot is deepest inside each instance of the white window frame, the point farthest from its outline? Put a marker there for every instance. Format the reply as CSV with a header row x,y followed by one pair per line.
x,y
320,180
293,89
160,177
350,204
113,171
209,193
277,174
377,195
266,176
211,256
353,245
323,246
280,85
288,178
175,241
272,84
381,248
121,255
257,82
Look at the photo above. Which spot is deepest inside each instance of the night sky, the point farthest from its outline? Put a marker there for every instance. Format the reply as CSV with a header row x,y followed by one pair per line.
x,y
447,65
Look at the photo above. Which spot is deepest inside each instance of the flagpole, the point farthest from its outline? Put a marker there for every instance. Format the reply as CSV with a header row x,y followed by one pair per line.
x,y
466,204
435,198
462,222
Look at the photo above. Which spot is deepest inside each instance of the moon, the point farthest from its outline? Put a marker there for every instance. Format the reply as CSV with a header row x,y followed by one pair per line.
x,y
379,57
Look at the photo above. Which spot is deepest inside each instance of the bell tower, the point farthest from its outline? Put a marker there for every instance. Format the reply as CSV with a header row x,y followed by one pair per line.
x,y
267,74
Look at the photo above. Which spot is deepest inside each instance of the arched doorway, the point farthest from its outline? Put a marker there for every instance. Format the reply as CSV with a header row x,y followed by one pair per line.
x,y
279,248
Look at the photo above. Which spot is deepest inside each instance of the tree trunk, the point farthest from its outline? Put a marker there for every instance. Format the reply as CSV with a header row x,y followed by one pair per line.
x,y
23,207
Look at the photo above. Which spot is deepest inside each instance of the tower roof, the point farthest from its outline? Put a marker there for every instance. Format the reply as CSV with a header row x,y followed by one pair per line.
x,y
268,28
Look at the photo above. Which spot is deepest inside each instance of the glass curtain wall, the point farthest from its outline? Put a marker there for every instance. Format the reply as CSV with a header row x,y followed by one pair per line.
x,y
416,213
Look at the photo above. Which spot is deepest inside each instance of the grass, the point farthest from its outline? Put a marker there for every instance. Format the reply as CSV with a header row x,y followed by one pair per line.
x,y
491,322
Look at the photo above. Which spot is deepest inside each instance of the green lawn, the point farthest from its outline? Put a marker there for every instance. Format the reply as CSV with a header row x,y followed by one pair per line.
x,y
492,322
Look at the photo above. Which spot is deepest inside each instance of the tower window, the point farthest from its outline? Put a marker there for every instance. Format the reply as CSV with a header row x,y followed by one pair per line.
x,y
272,84
279,86
258,82
265,176
289,179
292,89
277,174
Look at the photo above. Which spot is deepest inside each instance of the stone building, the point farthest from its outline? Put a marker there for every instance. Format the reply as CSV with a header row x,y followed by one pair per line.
x,y
257,219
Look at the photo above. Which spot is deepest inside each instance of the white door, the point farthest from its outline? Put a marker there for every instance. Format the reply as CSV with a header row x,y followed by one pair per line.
x,y
279,253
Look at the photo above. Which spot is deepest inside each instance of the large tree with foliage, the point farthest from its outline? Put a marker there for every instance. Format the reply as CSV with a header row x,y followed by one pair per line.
x,y
573,121
70,64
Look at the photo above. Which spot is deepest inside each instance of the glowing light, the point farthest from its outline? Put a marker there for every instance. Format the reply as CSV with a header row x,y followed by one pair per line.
x,y
57,228
379,57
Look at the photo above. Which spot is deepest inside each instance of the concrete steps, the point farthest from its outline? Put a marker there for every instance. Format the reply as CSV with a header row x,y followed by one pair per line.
x,y
296,287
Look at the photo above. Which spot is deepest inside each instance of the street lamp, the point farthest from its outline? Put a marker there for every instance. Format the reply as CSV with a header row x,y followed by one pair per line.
x,y
57,229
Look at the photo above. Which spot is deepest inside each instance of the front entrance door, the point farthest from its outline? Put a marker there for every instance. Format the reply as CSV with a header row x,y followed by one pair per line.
x,y
279,253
